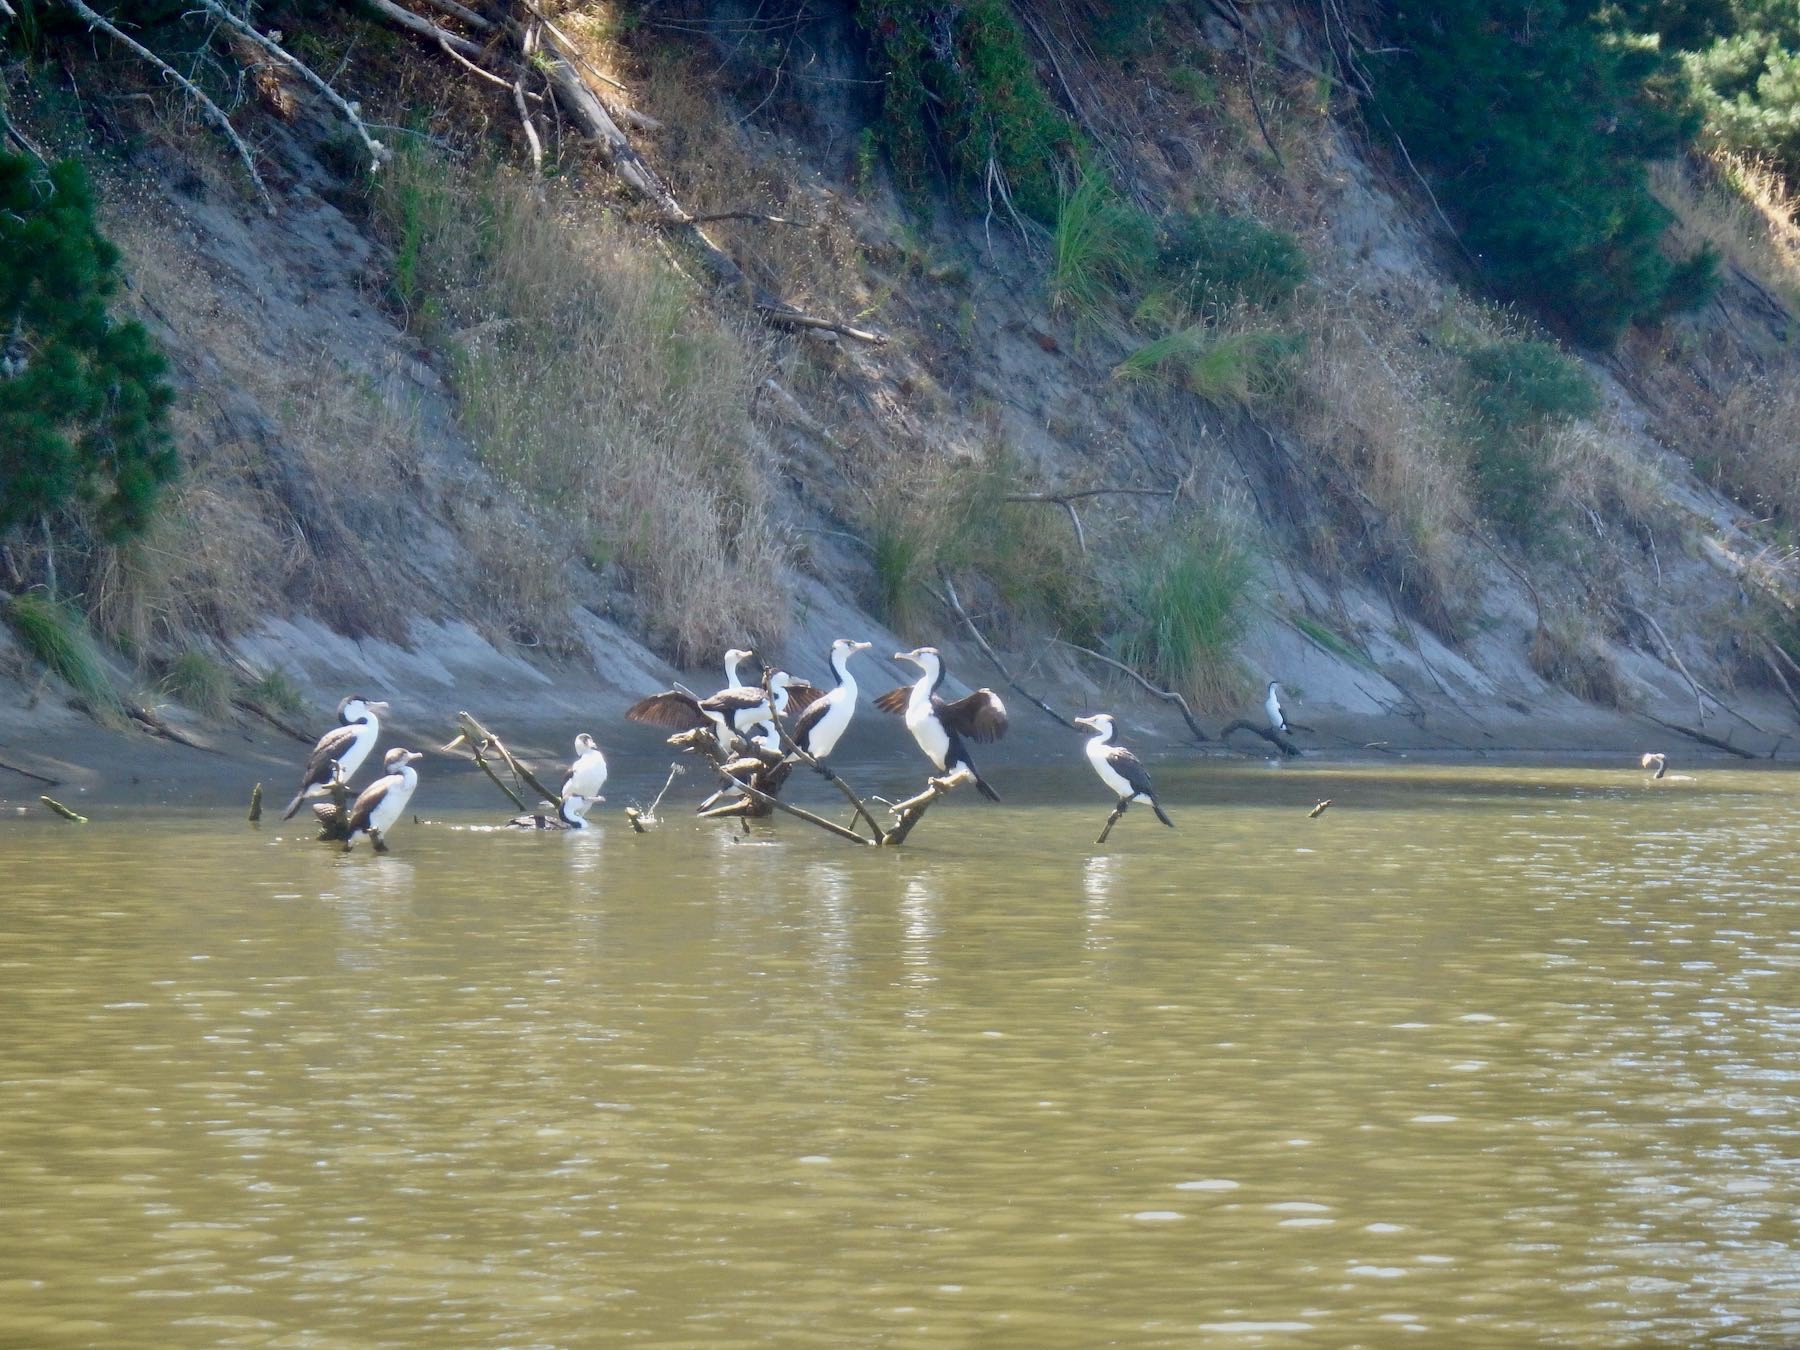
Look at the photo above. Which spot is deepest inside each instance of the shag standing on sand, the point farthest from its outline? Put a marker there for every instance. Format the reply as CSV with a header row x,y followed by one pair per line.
x,y
587,775
1119,769
939,725
342,750
383,800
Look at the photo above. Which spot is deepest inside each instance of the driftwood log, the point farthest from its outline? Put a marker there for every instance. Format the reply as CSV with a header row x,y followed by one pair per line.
x,y
1269,734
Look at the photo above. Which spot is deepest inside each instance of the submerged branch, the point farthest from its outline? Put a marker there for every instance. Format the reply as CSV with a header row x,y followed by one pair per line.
x,y
1269,734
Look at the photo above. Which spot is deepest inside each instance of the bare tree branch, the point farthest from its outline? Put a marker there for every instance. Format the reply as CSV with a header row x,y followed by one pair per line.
x,y
1166,695
954,603
192,90
378,153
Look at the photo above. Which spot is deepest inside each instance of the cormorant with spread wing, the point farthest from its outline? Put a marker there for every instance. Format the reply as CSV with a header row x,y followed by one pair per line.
x,y
938,724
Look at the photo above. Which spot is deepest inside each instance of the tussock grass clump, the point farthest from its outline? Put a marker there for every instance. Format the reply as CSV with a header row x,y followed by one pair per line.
x,y
1753,448
1189,605
1102,247
1247,369
1565,653
1518,390
591,380
197,681
1369,400
1022,558
57,635
274,691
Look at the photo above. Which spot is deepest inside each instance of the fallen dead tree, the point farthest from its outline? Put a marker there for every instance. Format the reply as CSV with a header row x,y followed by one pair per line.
x,y
1269,734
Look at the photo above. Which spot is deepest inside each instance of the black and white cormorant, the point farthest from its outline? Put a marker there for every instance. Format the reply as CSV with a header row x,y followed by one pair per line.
x,y
938,724
382,801
1656,761
571,816
732,713
1119,769
825,720
342,750
1272,706
587,775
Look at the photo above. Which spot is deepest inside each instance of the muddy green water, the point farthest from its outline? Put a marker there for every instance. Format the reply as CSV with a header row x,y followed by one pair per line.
x,y
1479,1057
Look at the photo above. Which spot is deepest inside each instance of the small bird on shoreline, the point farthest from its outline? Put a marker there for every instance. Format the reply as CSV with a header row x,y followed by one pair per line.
x,y
1272,706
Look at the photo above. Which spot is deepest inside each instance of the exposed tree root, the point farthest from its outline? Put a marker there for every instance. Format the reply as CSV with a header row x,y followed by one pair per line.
x,y
1269,734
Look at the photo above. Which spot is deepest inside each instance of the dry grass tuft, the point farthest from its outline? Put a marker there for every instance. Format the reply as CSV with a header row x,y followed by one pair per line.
x,y
1565,653
1372,405
591,380
1754,448
1742,208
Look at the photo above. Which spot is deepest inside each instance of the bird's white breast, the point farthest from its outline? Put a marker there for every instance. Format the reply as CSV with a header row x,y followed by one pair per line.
x,y
835,721
1096,753
360,745
394,800
587,776
921,720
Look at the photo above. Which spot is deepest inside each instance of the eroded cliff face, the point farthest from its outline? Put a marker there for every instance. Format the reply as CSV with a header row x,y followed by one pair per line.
x,y
341,523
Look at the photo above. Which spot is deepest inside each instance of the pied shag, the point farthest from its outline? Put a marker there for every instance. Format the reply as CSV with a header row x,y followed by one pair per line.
x,y
383,800
341,751
1272,706
824,722
733,712
938,724
1118,768
572,815
1656,761
587,775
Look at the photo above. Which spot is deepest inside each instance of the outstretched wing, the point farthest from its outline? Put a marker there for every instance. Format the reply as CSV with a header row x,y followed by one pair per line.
x,y
1129,767
980,716
671,708
894,701
802,695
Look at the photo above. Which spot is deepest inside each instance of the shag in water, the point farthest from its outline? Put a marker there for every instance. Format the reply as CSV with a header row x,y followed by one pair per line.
x,y
587,775
572,816
383,800
939,725
1656,761
1272,706
340,751
1119,769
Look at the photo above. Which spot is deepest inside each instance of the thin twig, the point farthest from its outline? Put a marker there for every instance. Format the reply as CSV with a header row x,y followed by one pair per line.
x,y
531,133
1250,87
192,90
1166,695
952,602
378,153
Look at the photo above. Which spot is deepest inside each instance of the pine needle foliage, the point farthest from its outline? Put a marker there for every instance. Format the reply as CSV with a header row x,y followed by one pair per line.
x,y
83,403
1535,124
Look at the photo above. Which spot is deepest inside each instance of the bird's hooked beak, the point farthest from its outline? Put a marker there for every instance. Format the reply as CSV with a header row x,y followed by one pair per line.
x,y
856,647
908,656
412,755
378,706
1091,723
